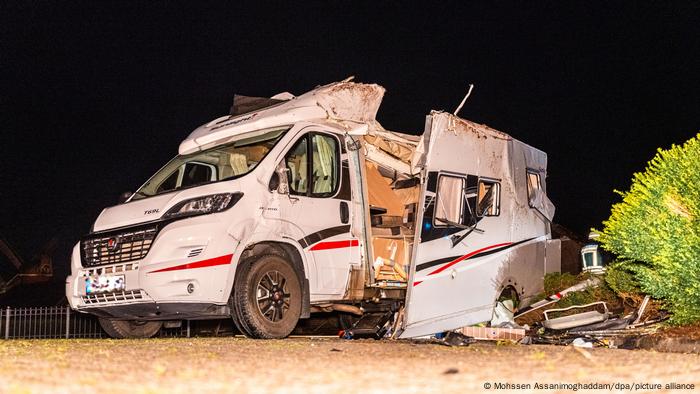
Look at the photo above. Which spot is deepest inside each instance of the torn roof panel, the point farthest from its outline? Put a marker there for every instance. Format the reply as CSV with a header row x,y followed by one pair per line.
x,y
345,103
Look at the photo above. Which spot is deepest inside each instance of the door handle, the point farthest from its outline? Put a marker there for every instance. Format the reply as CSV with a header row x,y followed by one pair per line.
x,y
344,212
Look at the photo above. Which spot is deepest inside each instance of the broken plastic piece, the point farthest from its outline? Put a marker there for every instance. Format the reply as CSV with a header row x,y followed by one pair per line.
x,y
494,333
581,342
591,282
577,320
503,314
640,311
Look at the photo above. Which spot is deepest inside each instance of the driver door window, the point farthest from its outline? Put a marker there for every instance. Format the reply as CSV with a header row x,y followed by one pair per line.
x,y
313,166
297,163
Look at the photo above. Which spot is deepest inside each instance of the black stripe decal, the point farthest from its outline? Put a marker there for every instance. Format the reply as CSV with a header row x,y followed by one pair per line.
x,y
323,234
433,263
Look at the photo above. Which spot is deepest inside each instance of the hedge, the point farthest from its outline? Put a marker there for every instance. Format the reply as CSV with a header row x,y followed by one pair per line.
x,y
656,229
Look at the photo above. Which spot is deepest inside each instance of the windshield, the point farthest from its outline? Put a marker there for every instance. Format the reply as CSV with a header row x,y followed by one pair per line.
x,y
227,161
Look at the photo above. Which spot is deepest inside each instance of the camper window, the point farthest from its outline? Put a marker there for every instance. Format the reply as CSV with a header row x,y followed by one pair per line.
x,y
449,201
489,198
533,185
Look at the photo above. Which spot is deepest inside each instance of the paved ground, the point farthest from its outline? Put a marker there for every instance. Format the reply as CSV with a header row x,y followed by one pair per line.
x,y
320,365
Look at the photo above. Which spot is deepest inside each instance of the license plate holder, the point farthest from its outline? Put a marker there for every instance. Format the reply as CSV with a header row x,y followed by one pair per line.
x,y
99,284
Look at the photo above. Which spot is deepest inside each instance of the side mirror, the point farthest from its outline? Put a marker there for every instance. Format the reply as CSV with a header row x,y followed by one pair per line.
x,y
125,196
274,182
278,181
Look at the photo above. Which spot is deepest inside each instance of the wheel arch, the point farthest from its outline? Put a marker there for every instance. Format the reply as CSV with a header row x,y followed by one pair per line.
x,y
509,287
291,253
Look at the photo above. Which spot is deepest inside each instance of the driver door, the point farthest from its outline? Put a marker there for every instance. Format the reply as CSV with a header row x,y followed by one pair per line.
x,y
319,205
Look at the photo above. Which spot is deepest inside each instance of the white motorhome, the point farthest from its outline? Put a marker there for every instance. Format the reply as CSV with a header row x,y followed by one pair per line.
x,y
294,205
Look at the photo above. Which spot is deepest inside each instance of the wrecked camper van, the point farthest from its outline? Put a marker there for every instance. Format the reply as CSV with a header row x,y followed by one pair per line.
x,y
295,205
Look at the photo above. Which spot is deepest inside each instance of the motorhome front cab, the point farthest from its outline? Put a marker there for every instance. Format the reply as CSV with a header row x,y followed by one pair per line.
x,y
295,205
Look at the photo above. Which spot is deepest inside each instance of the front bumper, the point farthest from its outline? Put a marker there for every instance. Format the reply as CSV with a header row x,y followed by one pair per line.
x,y
170,281
155,311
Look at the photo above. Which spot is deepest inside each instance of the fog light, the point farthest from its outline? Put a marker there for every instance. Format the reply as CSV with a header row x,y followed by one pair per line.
x,y
190,288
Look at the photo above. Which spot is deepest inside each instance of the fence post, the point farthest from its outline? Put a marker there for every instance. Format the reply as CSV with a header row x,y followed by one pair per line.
x,y
7,323
67,322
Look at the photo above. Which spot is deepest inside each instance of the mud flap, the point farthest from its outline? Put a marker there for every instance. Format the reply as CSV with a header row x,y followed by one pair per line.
x,y
306,300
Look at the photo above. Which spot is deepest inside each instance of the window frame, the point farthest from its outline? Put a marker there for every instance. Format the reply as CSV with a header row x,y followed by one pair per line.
x,y
181,176
463,199
528,172
283,130
309,166
497,201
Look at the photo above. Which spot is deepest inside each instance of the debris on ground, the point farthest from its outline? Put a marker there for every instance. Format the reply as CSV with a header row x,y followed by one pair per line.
x,y
456,339
593,328
576,320
582,342
587,324
495,333
591,282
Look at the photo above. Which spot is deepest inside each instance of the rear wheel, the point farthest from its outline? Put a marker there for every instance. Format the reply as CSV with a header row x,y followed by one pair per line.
x,y
268,297
121,329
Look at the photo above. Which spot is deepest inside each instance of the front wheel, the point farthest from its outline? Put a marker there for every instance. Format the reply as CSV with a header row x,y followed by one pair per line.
x,y
121,329
268,297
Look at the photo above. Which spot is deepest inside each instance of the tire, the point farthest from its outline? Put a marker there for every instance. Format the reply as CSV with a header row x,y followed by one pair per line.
x,y
267,297
236,322
242,273
121,329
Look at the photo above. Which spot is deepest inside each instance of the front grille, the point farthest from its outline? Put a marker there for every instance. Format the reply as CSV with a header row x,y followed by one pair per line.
x,y
117,246
115,297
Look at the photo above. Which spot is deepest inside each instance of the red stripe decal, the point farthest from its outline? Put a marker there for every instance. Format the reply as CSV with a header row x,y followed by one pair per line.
x,y
558,296
222,260
335,245
466,256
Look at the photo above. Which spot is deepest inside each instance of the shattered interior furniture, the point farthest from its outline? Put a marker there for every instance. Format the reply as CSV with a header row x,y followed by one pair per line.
x,y
393,220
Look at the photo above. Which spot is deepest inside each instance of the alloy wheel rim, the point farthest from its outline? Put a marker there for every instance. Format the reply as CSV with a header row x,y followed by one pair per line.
x,y
272,296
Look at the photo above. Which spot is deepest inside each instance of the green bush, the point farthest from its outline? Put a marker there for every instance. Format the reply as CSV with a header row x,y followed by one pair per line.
x,y
656,228
621,280
555,282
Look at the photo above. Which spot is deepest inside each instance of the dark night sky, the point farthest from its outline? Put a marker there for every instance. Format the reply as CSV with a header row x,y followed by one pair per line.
x,y
94,98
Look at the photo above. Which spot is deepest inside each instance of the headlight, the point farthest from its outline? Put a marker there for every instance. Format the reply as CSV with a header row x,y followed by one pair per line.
x,y
203,205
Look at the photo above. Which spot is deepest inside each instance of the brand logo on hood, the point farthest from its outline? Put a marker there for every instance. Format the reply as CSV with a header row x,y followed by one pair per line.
x,y
151,211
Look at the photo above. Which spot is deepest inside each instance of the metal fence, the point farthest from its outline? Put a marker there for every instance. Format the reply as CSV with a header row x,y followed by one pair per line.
x,y
61,322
